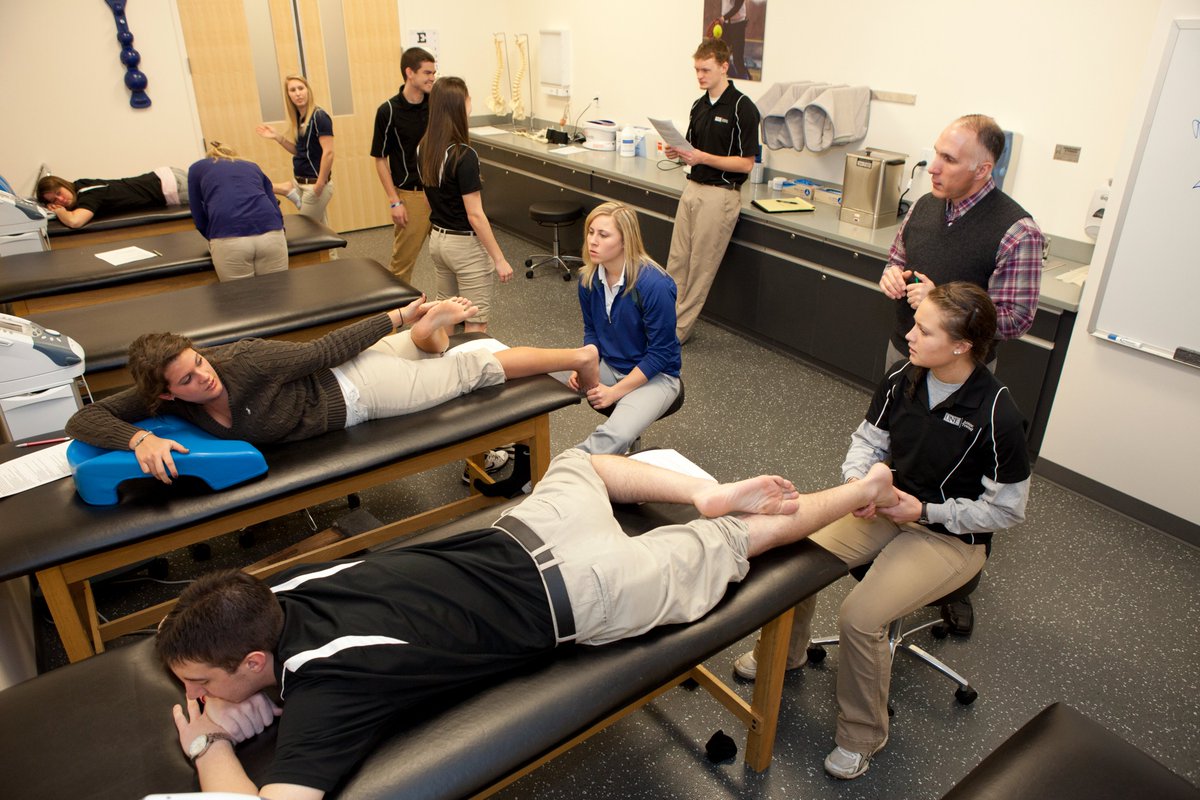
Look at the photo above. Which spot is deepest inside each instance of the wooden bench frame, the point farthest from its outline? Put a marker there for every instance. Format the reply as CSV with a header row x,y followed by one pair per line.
x,y
84,238
126,291
67,586
760,716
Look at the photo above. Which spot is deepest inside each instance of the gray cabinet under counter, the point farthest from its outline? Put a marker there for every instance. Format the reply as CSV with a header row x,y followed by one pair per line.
x,y
806,284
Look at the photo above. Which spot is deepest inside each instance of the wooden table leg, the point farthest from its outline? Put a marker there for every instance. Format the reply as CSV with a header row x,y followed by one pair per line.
x,y
68,608
772,655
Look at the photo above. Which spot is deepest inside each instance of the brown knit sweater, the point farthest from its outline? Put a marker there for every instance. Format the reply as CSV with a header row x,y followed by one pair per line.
x,y
278,391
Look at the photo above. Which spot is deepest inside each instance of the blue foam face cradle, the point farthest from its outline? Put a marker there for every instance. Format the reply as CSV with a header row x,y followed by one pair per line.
x,y
220,463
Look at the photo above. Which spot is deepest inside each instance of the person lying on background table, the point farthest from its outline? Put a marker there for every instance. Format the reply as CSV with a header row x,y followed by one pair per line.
x,y
78,202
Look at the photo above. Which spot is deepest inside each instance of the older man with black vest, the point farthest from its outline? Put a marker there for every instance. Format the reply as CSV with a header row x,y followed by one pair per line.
x,y
966,229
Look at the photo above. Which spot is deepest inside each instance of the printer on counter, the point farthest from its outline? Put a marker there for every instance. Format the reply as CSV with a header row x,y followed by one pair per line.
x,y
22,225
38,368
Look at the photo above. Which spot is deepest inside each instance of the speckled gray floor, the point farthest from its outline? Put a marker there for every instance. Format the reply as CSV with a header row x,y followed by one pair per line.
x,y
1078,604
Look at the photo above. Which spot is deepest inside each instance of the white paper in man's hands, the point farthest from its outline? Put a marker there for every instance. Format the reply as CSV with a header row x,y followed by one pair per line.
x,y
670,135
672,460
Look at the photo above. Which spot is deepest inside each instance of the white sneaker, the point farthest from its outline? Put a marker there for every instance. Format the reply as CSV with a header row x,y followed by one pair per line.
x,y
846,765
745,666
493,462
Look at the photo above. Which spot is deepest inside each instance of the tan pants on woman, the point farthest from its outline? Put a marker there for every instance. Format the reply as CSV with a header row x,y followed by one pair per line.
x,y
236,257
912,567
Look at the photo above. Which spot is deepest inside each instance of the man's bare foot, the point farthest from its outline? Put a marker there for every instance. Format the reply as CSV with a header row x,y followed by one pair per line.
x,y
880,478
444,314
589,372
766,494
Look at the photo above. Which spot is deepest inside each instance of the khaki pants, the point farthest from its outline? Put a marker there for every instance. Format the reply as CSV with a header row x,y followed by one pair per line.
x,y
912,567
237,257
464,269
703,224
394,377
408,240
622,586
314,207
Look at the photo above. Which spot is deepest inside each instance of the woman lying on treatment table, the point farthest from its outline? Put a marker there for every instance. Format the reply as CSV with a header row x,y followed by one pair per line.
x,y
266,391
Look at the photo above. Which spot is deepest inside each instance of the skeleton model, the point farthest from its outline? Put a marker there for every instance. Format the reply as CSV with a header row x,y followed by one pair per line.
x,y
496,102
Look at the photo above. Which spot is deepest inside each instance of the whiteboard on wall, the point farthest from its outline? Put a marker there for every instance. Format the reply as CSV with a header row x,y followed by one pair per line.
x,y
1149,298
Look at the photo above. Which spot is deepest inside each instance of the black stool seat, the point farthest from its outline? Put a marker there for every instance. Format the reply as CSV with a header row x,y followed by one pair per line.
x,y
554,212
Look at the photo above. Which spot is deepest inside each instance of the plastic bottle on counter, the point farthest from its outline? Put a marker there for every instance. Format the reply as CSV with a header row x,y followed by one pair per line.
x,y
628,142
756,173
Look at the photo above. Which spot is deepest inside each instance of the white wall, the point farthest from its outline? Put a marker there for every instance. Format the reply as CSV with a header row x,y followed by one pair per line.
x,y
1126,419
1059,74
65,97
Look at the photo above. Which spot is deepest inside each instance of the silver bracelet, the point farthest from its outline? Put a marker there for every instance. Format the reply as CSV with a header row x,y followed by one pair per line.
x,y
140,439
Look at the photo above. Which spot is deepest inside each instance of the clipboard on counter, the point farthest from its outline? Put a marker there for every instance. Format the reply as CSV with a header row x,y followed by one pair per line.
x,y
779,205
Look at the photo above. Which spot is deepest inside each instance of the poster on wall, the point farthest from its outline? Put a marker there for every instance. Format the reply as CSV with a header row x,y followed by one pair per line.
x,y
741,24
424,39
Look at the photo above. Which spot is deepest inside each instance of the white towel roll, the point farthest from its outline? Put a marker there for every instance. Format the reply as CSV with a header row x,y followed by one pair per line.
x,y
839,115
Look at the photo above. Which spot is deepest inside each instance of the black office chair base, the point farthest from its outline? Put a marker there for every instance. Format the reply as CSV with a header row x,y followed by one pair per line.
x,y
964,694
554,214
564,263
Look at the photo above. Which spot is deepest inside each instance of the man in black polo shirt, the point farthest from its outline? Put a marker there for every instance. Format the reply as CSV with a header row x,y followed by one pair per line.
x,y
723,130
399,125
348,645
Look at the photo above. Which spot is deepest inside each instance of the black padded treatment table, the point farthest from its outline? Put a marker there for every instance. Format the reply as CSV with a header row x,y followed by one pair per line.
x,y
35,282
118,227
1063,755
51,533
298,304
102,728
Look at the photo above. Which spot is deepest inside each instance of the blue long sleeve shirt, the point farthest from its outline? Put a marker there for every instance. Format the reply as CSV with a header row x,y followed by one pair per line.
x,y
638,331
231,198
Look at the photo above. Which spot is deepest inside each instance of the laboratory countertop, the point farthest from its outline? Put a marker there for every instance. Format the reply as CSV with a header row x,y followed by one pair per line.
x,y
821,224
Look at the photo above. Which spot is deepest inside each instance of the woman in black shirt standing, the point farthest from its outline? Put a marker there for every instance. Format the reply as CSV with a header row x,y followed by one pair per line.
x,y
466,257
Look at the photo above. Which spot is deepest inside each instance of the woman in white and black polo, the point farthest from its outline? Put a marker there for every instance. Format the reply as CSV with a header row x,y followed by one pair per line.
x,y
466,257
311,146
956,443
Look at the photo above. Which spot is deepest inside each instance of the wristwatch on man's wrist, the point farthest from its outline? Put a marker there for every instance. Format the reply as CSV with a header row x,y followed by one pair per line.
x,y
201,743
924,518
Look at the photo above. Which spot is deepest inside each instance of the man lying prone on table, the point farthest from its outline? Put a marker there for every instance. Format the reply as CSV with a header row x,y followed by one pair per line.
x,y
347,645
265,391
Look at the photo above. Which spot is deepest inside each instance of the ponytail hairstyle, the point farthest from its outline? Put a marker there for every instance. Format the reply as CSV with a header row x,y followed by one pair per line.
x,y
636,257
221,152
447,128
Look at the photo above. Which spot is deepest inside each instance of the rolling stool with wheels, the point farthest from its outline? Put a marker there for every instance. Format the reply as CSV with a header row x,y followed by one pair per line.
x,y
676,404
554,214
898,639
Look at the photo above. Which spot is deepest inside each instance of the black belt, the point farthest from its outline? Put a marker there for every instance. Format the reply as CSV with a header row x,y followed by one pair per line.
x,y
556,589
440,229
305,181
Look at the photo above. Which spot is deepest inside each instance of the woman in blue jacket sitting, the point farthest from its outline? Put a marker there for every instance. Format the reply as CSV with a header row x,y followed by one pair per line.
x,y
628,304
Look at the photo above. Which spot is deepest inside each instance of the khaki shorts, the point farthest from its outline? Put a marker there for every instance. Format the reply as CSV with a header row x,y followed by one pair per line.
x,y
622,586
